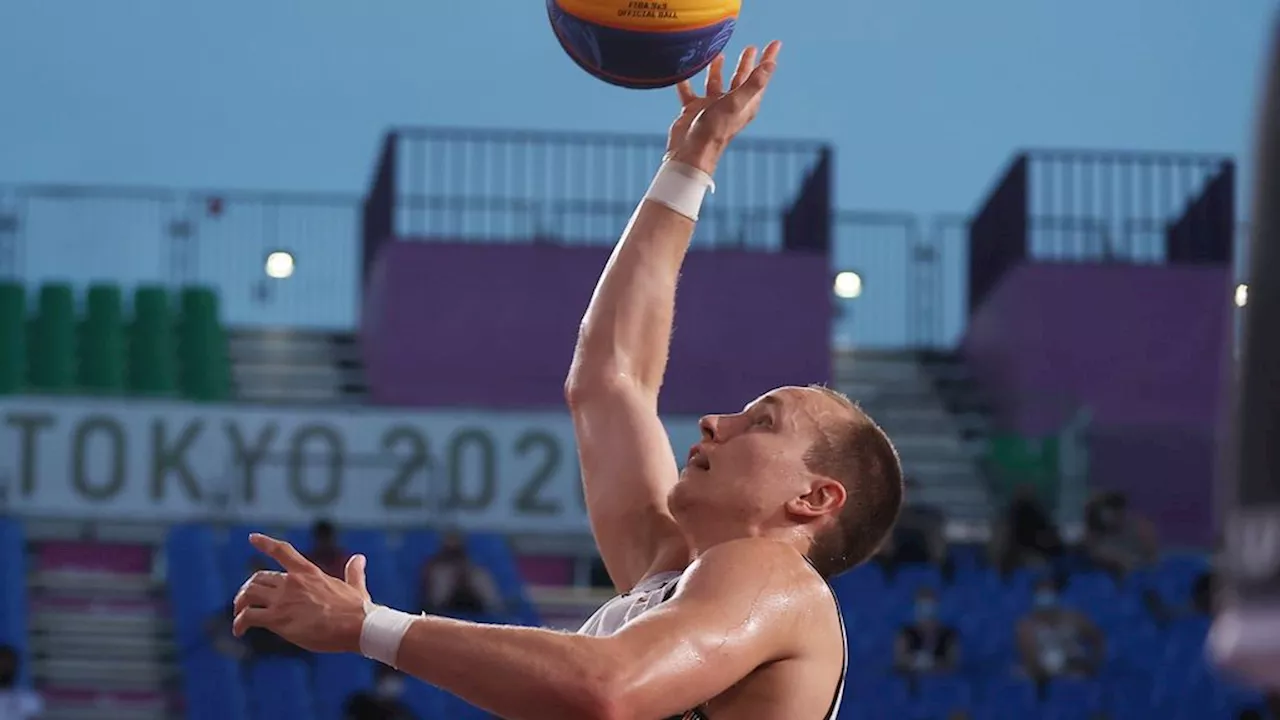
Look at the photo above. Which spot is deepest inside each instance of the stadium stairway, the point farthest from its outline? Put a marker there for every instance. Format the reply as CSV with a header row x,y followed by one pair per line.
x,y
100,637
940,447
289,366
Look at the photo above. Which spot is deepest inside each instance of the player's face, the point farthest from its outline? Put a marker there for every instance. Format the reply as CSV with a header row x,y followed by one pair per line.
x,y
752,462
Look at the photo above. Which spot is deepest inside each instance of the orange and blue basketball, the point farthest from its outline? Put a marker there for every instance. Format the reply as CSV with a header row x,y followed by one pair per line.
x,y
642,44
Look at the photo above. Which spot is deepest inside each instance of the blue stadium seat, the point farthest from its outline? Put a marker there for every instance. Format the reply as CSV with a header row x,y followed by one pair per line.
x,y
939,695
337,678
196,595
13,593
280,688
1173,577
910,578
866,579
491,551
455,708
426,702
1073,696
386,584
237,554
415,548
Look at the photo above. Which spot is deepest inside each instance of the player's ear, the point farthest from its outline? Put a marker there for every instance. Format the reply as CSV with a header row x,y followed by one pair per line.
x,y
824,497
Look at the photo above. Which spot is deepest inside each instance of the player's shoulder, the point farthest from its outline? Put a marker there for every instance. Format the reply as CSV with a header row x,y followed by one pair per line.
x,y
763,564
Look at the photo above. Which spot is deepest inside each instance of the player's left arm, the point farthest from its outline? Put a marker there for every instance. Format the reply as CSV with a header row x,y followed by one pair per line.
x,y
739,606
735,611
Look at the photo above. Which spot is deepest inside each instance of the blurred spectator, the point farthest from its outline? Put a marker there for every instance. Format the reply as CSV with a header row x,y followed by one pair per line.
x,y
1115,539
918,538
326,553
1055,641
1027,537
256,642
16,703
384,702
927,645
454,585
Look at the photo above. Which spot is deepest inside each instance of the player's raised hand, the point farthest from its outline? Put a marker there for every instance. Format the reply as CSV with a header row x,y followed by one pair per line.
x,y
708,122
303,604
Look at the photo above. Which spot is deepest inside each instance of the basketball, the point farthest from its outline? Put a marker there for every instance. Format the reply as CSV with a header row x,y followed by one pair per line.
x,y
640,44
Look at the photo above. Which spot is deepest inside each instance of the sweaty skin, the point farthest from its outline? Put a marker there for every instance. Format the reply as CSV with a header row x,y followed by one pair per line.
x,y
751,631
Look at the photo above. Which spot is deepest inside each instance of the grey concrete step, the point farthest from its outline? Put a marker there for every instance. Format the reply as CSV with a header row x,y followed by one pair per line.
x,y
66,643
90,583
59,711
121,675
56,622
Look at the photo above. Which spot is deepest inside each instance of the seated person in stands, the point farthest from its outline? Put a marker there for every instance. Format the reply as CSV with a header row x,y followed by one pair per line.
x,y
1115,539
257,642
384,702
1027,537
326,553
927,645
16,703
917,538
1054,641
453,585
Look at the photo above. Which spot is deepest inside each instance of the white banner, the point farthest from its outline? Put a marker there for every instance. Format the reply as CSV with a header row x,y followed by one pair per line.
x,y
112,459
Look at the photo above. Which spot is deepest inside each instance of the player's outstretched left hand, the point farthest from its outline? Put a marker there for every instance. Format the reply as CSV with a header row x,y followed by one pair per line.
x,y
303,604
708,122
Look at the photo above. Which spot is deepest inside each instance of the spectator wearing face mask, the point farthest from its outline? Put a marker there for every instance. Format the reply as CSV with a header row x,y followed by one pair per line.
x,y
384,702
1054,641
926,645
16,703
454,585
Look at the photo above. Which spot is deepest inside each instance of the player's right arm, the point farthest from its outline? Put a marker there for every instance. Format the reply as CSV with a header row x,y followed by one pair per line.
x,y
628,467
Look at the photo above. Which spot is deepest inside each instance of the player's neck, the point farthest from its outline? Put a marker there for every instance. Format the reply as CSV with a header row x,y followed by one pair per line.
x,y
706,535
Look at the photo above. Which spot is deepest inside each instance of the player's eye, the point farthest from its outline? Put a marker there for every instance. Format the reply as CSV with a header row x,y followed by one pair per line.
x,y
763,421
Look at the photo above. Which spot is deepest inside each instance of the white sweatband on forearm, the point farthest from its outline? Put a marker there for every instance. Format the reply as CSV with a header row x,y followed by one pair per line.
x,y
680,187
382,632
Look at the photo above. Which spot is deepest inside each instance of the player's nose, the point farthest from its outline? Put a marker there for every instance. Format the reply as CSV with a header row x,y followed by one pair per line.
x,y
709,425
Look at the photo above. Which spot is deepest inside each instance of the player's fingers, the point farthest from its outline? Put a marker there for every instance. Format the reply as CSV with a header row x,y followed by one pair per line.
x,y
755,85
266,578
282,552
250,618
715,77
745,62
771,52
355,574
251,596
686,93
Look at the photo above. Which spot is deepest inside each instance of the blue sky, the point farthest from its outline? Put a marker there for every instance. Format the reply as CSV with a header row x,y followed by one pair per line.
x,y
924,99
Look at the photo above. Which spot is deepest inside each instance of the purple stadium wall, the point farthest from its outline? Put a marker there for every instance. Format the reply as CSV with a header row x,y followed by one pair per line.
x,y
476,325
1142,347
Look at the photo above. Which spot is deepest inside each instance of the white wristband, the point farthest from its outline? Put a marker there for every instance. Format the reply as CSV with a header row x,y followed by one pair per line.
x,y
382,632
680,187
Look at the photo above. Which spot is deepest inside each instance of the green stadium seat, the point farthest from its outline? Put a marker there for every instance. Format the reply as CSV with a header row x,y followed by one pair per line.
x,y
152,344
13,338
205,369
52,358
103,345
